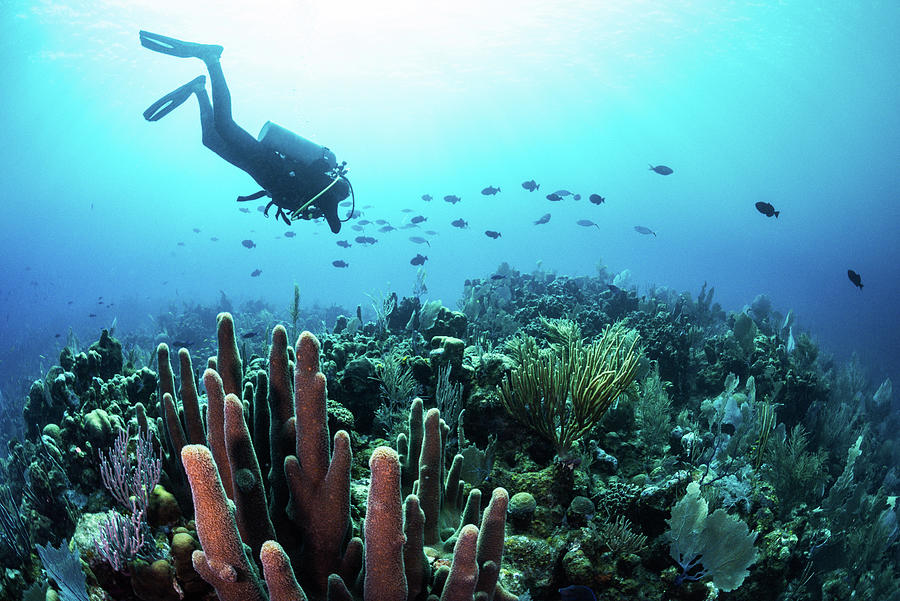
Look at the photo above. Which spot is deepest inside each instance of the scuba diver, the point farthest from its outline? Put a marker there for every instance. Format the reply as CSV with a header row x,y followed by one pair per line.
x,y
303,179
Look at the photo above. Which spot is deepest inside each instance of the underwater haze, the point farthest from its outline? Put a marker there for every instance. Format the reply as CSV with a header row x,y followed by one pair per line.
x,y
791,103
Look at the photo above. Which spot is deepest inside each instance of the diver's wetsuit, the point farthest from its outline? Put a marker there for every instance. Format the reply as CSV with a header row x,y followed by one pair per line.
x,y
290,183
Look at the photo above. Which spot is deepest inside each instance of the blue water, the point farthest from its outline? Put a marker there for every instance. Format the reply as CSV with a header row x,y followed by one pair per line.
x,y
794,103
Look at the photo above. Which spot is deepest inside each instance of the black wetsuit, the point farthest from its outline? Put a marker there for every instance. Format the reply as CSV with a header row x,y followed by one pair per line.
x,y
288,182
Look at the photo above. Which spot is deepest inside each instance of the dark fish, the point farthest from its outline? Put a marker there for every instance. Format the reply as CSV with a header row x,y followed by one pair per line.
x,y
531,185
261,208
576,196
408,226
426,197
431,232
452,199
182,343
587,223
256,273
418,219
554,197
596,199
544,219
355,214
196,230
248,335
213,239
248,243
92,315
498,276
343,244
364,222
767,209
577,592
643,230
406,210
563,193
346,203
58,335
386,228
380,221
70,302
369,240
460,223
854,277
340,264
181,244
419,240
490,191
357,227
290,234
418,260
662,169
244,210
492,234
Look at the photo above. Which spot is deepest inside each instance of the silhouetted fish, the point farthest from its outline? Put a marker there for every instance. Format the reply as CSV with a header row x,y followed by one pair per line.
x,y
196,230
213,239
490,191
767,209
181,244
406,210
426,197
364,222
244,210
419,240
182,343
418,260
577,592
452,199
854,277
380,221
544,219
386,228
340,264
531,185
248,243
492,234
357,227
554,197
460,223
498,276
255,273
248,335
563,193
662,169
587,223
576,196
290,234
596,199
365,240
418,219
431,232
643,230
343,244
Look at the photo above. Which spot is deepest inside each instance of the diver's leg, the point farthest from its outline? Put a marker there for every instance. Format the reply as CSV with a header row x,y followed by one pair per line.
x,y
211,137
230,131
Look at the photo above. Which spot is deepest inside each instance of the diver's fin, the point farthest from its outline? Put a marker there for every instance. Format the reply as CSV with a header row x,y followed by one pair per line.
x,y
179,48
173,99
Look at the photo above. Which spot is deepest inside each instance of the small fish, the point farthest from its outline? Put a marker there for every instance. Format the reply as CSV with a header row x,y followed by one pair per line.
x,y
498,276
460,223
58,335
346,203
854,277
662,169
380,221
369,240
577,592
452,199
196,230
340,264
431,232
70,302
181,244
364,222
490,191
290,234
767,209
531,185
596,199
248,243
244,210
355,214
419,240
261,208
577,196
587,223
563,193
92,315
418,260
418,219
544,219
182,343
357,228
255,273
248,335
386,228
406,210
554,197
643,230
343,244
408,226
213,239
426,197
492,234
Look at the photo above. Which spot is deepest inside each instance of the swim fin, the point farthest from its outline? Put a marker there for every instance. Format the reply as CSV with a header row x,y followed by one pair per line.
x,y
173,99
179,48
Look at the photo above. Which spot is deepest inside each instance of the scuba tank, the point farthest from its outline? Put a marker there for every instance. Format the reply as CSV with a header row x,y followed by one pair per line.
x,y
295,147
